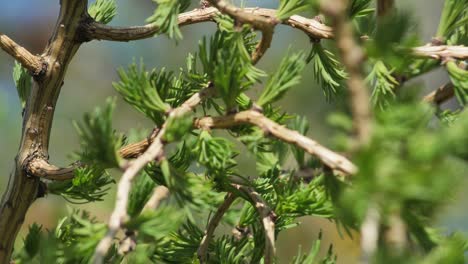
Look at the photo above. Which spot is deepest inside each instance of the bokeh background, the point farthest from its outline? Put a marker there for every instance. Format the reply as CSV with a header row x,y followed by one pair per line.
x,y
89,82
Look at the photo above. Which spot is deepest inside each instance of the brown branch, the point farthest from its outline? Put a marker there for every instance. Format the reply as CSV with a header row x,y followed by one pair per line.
x,y
328,157
384,7
311,27
29,61
159,193
214,222
352,57
43,169
441,52
265,24
268,221
129,242
370,234
155,149
22,190
442,94
99,31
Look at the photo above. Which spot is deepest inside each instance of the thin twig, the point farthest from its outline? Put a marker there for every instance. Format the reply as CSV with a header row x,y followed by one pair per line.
x,y
384,7
159,193
214,222
156,148
441,52
369,234
352,57
268,221
43,169
265,25
328,157
22,55
129,243
442,94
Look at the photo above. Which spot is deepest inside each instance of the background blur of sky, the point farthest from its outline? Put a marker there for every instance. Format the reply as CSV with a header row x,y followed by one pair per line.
x,y
88,83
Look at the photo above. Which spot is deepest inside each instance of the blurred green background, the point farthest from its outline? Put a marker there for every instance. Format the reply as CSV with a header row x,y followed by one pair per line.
x,y
89,82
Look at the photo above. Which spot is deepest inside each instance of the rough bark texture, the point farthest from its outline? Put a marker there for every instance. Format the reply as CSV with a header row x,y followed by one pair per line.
x,y
22,189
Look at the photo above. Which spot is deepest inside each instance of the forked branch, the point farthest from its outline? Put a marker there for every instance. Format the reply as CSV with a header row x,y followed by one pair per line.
x,y
155,150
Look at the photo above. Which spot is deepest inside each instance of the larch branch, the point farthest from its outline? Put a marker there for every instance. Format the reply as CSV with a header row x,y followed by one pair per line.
x,y
159,194
442,94
268,221
214,222
29,61
99,31
352,57
328,157
441,52
43,169
384,7
155,149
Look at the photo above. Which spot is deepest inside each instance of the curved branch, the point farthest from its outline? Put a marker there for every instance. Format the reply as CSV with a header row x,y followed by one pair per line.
x,y
43,169
99,31
214,222
31,62
155,149
159,193
328,157
268,221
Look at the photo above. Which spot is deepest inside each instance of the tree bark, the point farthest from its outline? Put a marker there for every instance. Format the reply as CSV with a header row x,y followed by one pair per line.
x,y
23,189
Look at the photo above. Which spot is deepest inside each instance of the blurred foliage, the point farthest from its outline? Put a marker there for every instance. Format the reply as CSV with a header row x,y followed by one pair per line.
x,y
103,10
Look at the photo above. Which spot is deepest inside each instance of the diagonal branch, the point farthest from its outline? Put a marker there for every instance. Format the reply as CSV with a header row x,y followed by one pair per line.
x,y
155,150
29,61
442,94
159,193
384,7
268,221
214,222
328,157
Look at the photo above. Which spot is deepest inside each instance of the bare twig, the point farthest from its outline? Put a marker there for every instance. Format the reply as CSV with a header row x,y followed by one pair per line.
x,y
328,157
159,193
29,61
442,94
265,25
268,221
310,26
352,57
129,243
384,7
96,30
155,149
441,52
214,222
43,169
396,234
370,234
